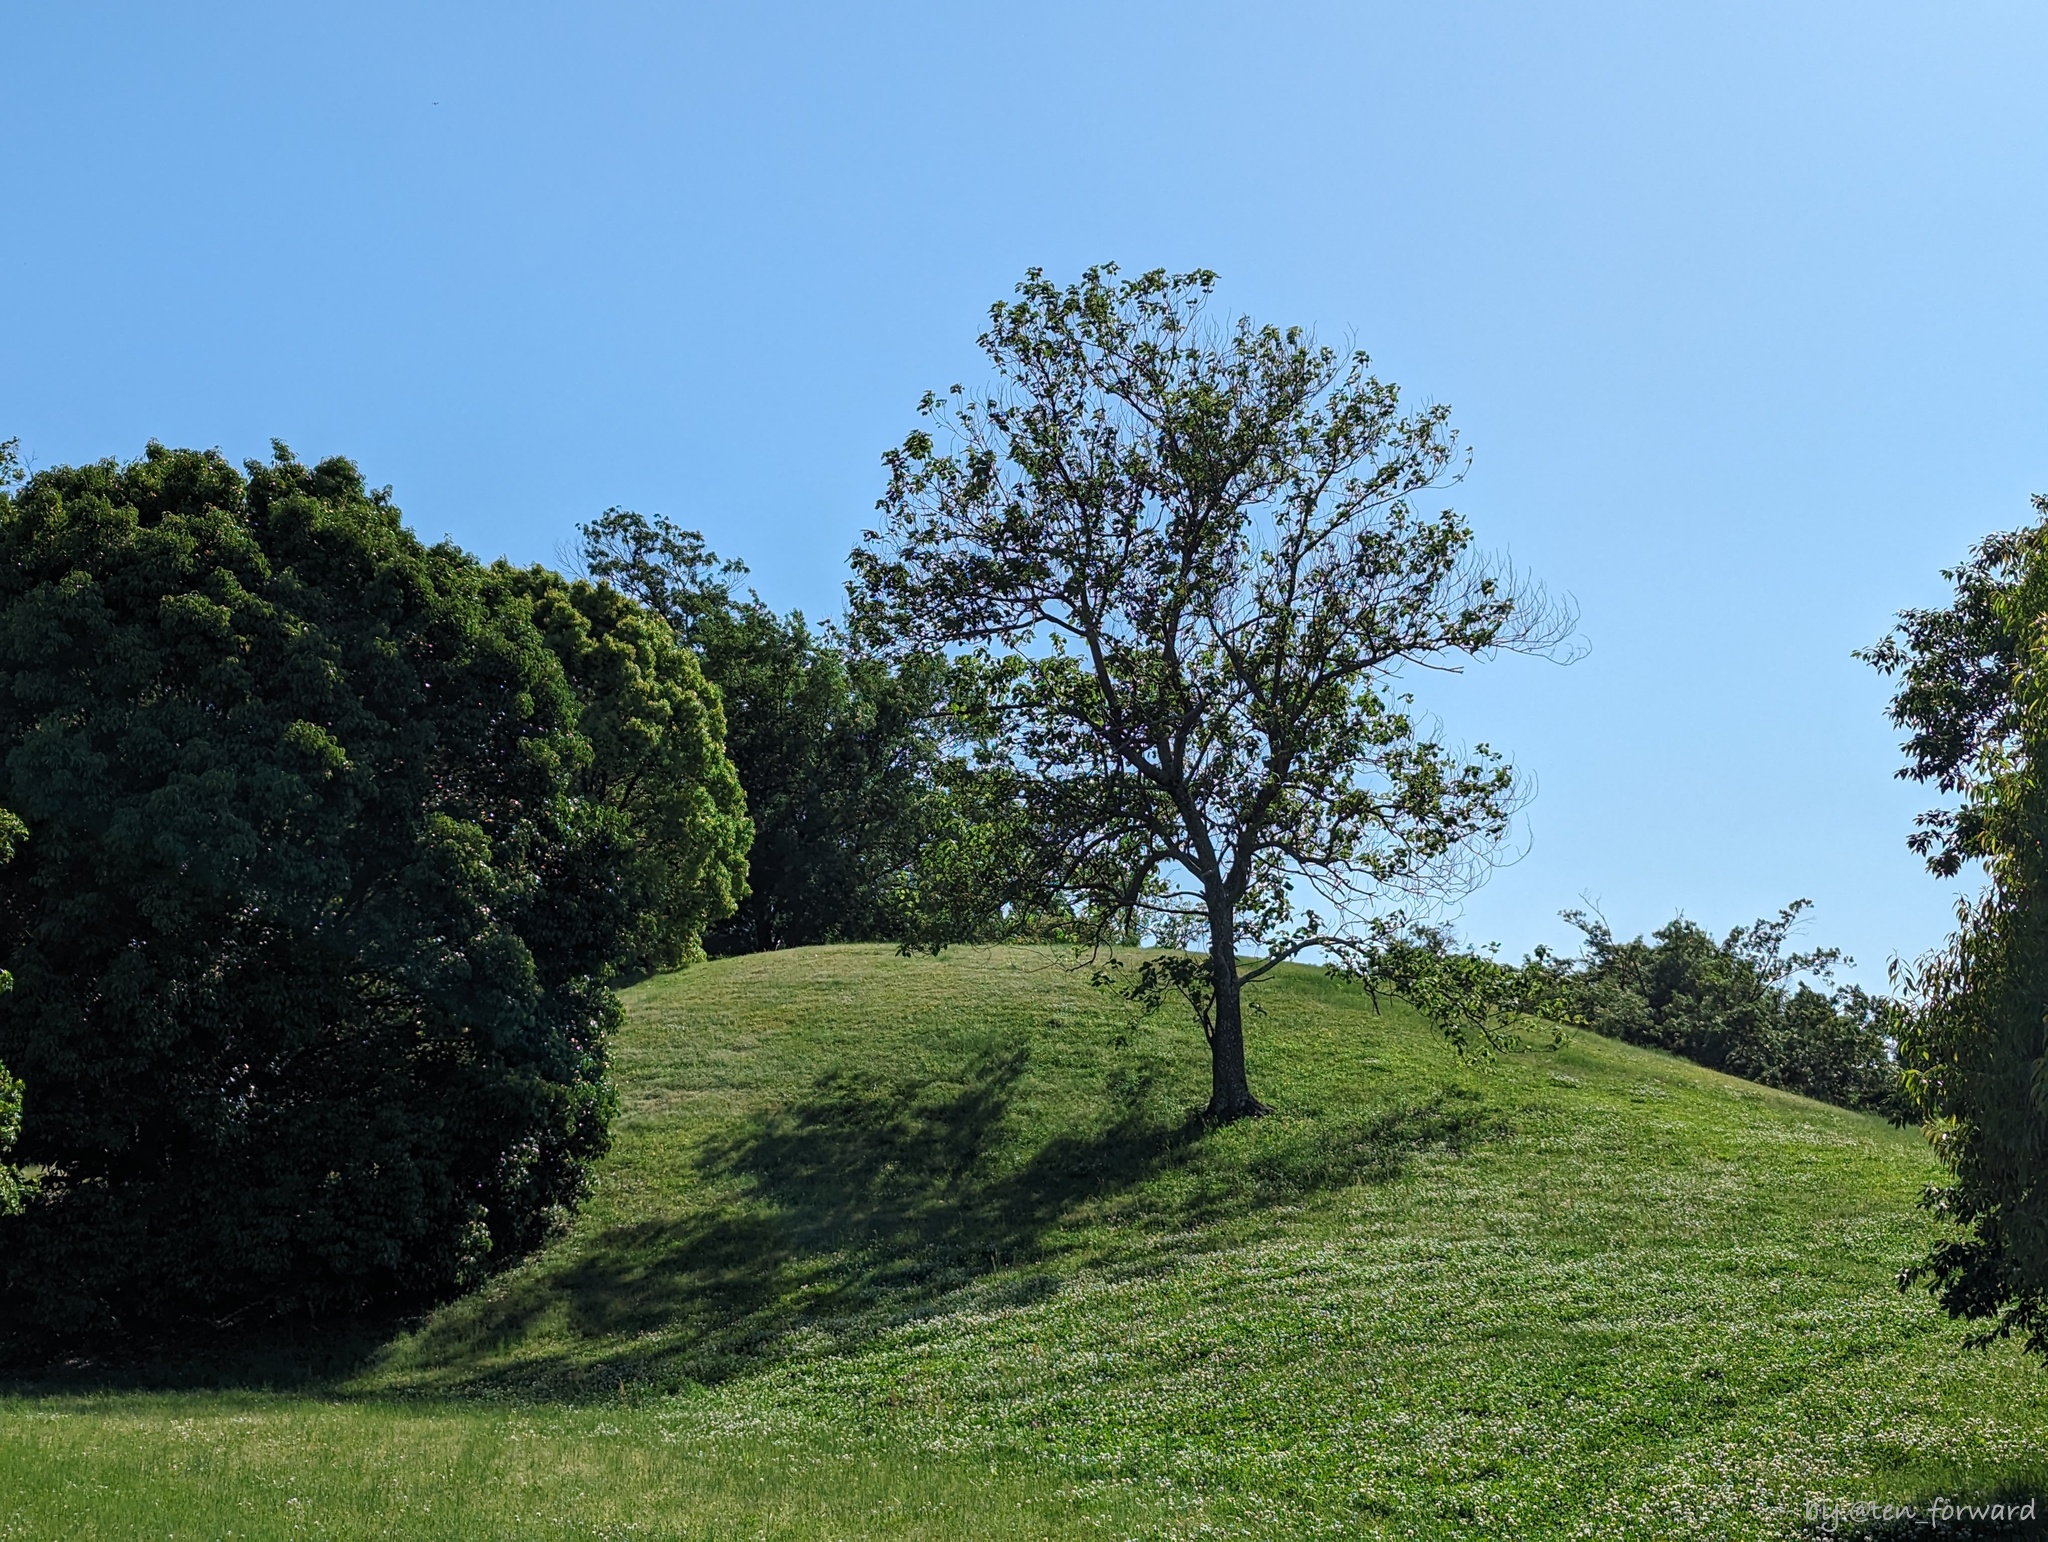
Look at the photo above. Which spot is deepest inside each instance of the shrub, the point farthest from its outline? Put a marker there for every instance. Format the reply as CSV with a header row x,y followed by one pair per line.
x,y
12,1188
1971,678
1736,1005
311,932
667,823
840,754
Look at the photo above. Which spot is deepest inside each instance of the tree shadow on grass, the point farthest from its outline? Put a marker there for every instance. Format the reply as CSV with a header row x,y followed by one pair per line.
x,y
281,1356
868,1203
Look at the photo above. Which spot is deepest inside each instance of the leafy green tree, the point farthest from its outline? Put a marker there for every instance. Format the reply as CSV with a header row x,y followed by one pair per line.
x,y
1737,1005
1973,696
1186,576
12,1188
658,781
1482,1005
838,754
328,869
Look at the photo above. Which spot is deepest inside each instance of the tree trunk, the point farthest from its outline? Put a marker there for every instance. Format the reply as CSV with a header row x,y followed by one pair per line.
x,y
1230,1094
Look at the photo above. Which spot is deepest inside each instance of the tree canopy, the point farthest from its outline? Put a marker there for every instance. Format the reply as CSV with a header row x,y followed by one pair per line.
x,y
664,801
334,840
1741,1004
11,1185
1184,570
1973,696
839,753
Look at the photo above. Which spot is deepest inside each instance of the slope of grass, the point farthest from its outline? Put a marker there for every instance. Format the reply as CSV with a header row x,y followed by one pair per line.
x,y
905,1247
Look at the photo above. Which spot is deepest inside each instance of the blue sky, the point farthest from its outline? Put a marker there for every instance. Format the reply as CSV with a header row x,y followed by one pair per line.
x,y
1739,308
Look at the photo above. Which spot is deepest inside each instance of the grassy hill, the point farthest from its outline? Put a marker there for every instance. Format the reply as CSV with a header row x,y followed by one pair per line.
x,y
905,1247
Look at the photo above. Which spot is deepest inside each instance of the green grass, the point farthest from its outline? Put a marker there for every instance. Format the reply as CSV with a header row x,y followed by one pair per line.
x,y
904,1247
259,1466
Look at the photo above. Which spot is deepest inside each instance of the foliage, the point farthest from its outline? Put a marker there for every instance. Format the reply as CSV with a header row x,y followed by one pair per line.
x,y
312,929
1184,570
1736,1006
837,752
12,830
669,835
1973,694
974,878
668,569
1480,1004
13,1188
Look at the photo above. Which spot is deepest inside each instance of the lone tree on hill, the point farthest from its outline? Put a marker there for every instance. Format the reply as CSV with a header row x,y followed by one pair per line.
x,y
1182,567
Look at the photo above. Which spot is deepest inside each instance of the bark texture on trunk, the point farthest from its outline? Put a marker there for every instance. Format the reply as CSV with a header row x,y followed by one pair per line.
x,y
1230,1093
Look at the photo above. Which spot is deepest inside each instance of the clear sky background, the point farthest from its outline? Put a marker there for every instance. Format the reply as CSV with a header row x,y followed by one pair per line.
x,y
1739,306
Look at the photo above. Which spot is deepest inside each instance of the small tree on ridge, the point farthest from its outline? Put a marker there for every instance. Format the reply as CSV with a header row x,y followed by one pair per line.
x,y
1184,573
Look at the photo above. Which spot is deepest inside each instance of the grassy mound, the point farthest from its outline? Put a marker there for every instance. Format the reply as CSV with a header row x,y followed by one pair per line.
x,y
904,1247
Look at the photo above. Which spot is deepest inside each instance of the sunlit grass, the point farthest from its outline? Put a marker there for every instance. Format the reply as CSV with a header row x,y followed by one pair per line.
x,y
890,1244
244,1465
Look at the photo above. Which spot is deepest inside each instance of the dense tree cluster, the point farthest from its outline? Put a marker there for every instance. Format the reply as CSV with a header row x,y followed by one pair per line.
x,y
657,779
1737,1005
842,755
1973,697
11,1186
333,841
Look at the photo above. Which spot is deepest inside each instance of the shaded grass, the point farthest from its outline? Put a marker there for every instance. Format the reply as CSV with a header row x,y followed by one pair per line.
x,y
952,1220
979,1143
859,1203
